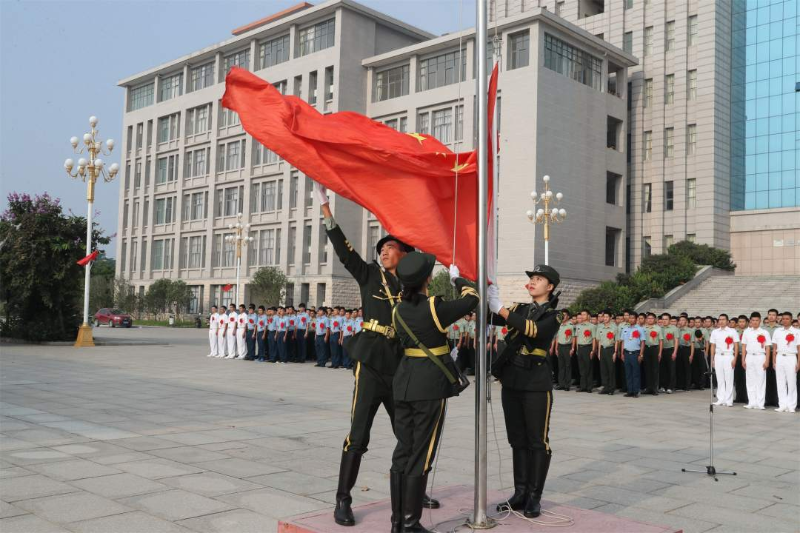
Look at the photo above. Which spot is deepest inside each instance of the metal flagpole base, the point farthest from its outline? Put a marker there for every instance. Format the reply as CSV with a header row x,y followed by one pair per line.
x,y
85,339
489,524
711,471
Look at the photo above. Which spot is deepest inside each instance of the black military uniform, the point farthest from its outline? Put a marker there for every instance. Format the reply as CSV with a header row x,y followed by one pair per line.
x,y
527,395
420,386
376,352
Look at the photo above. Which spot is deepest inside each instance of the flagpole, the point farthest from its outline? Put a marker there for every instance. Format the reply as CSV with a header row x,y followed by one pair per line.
x,y
479,518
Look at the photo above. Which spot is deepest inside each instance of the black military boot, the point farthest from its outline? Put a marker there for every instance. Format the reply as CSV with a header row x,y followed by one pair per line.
x,y
413,491
348,472
520,458
537,474
427,501
396,492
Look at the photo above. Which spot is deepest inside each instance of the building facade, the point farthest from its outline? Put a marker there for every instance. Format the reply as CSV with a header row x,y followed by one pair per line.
x,y
190,169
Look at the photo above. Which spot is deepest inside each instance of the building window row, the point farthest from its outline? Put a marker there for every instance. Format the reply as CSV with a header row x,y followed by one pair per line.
x,y
230,201
198,119
572,62
169,128
170,87
442,70
266,196
193,251
141,96
231,155
195,206
166,169
317,37
239,59
391,83
273,52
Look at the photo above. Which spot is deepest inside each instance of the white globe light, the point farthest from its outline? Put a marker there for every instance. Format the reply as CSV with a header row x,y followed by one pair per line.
x,y
114,168
546,178
529,214
110,144
247,225
562,212
559,196
250,239
98,145
82,162
87,137
73,141
539,213
239,215
93,121
230,226
549,194
99,163
534,195
68,164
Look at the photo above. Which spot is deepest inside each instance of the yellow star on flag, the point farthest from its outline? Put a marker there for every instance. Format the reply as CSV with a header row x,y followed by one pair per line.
x,y
458,168
417,136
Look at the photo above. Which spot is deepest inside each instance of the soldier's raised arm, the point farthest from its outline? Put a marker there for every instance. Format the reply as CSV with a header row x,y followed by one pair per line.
x,y
351,260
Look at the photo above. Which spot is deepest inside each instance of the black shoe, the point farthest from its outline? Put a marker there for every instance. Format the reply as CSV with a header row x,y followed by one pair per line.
x,y
413,492
565,389
610,393
629,395
636,395
348,472
520,458
430,503
540,464
603,391
396,492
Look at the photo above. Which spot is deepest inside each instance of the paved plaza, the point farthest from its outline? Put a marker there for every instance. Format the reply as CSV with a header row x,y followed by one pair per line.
x,y
141,439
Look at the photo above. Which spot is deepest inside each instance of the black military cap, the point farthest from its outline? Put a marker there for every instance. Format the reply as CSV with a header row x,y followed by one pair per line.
x,y
545,271
403,246
415,268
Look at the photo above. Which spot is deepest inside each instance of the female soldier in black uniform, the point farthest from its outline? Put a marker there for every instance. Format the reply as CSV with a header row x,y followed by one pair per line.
x,y
420,385
527,396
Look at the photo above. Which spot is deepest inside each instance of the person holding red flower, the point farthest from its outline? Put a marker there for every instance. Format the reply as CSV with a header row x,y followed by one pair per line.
x,y
724,346
756,345
607,346
584,344
631,338
653,346
786,360
667,370
686,343
562,349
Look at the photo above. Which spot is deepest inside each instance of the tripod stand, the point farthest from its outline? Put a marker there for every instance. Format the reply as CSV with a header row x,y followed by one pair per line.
x,y
710,469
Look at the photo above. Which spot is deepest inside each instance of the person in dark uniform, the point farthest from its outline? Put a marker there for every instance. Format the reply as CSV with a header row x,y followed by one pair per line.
x,y
421,387
527,394
375,350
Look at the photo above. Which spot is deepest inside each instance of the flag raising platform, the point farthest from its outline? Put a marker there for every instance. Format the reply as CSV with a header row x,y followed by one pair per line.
x,y
456,507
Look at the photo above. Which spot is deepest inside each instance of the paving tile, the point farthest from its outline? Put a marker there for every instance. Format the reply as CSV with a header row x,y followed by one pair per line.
x,y
133,522
143,444
14,471
239,520
238,467
273,502
71,507
34,456
188,454
36,486
176,504
29,524
7,510
157,468
72,470
119,485
210,484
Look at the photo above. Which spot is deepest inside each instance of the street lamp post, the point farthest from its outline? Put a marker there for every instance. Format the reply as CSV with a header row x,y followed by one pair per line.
x,y
88,171
241,239
547,215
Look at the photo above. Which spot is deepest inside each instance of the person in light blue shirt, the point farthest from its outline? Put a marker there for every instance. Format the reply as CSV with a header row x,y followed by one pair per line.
x,y
252,317
348,330
301,334
259,335
280,335
335,325
321,337
632,338
272,328
291,338
359,320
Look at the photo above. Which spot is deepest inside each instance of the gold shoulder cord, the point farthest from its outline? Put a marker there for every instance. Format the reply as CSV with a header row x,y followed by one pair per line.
x,y
388,292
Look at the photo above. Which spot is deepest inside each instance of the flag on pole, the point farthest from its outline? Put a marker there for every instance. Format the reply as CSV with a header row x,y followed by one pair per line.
x,y
407,180
227,287
89,258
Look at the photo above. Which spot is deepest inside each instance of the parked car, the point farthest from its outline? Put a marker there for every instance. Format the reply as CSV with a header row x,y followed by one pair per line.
x,y
113,317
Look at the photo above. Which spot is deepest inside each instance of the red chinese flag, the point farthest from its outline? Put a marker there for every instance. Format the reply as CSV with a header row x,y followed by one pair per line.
x,y
227,287
88,259
407,180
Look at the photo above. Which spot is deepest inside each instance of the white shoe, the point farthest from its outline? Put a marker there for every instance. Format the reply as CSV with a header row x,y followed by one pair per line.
x,y
760,408
210,355
779,410
230,357
728,405
719,402
748,406
788,410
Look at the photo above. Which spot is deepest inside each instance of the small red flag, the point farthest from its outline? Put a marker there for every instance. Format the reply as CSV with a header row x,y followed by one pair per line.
x,y
89,258
227,287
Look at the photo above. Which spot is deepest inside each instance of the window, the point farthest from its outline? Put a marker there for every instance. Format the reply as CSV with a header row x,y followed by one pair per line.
x,y
125,215
134,258
196,251
691,86
273,52
392,123
628,4
135,221
267,241
627,42
238,59
228,202
169,128
423,122
312,88
263,197
139,135
647,203
320,294
140,97
691,237
648,145
443,125
572,62
459,122
202,76
298,86
691,193
519,50
147,165
149,134
691,38
373,237
328,84
612,184
194,299
691,139
224,251
317,37
228,117
668,241
307,244
292,245
669,43
158,255
294,184
669,88
198,120
309,190
403,128
230,155
197,206
167,169
669,196
137,175
195,162
263,155
612,237
145,219
171,87
441,70
648,40
669,142
391,83
648,92
165,210
323,244
647,246
127,175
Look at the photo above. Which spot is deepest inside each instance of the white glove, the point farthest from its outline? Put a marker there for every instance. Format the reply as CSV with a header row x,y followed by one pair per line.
x,y
321,193
493,296
454,354
454,273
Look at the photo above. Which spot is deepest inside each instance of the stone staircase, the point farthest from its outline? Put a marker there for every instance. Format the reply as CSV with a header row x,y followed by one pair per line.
x,y
737,295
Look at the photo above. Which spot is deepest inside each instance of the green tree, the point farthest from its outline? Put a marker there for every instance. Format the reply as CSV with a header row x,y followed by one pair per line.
x,y
268,285
440,286
125,295
39,274
156,299
179,295
703,254
101,288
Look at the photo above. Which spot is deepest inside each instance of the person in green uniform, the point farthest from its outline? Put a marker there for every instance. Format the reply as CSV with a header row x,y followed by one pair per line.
x,y
584,344
375,350
671,332
471,352
683,363
454,333
562,348
527,393
653,345
422,383
606,335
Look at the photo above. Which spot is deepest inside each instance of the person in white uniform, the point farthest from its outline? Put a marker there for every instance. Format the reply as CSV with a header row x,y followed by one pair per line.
x,y
213,330
230,332
222,343
724,351
241,330
756,343
786,360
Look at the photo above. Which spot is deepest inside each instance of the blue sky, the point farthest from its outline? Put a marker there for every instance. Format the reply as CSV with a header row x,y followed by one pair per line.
x,y
60,61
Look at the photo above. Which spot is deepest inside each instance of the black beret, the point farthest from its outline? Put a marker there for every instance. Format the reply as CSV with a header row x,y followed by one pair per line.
x,y
545,271
415,268
403,246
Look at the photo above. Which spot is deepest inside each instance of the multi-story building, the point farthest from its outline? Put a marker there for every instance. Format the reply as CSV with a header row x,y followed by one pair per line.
x,y
190,169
